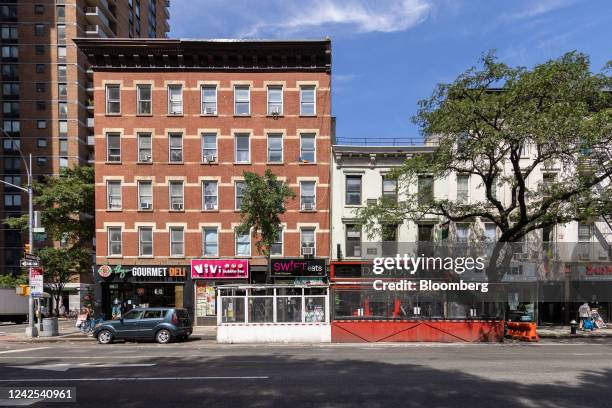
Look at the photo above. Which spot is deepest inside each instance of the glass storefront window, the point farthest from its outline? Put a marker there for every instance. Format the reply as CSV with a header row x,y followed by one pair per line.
x,y
232,310
261,310
315,309
288,309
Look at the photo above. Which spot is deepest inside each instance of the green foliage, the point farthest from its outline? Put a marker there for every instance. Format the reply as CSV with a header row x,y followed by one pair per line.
x,y
481,121
262,204
10,281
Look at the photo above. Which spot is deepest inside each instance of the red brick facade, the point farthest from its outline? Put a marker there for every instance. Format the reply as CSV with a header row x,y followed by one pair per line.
x,y
192,170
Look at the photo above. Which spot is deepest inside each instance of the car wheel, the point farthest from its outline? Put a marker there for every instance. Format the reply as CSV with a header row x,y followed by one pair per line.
x,y
105,337
163,336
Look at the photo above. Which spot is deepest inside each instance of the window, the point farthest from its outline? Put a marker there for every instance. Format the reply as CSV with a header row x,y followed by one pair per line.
x,y
463,189
243,244
307,195
113,188
585,232
389,190
144,99
11,145
548,179
425,190
62,90
11,126
307,239
12,200
243,154
62,72
276,249
275,148
113,147
61,33
275,100
114,241
60,13
153,314
10,51
307,100
63,130
11,72
10,108
63,147
462,233
175,99
41,87
40,68
10,32
63,109
133,315
353,240
113,99
240,186
210,242
145,241
176,195
177,244
41,143
209,100
144,148
145,195
209,147
41,124
242,100
307,148
353,190
176,148
209,195
524,150
42,161
39,30
61,52
10,89
39,49
39,9
16,180
490,232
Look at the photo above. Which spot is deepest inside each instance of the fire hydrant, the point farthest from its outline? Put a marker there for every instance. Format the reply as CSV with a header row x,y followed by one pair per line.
x,y
573,327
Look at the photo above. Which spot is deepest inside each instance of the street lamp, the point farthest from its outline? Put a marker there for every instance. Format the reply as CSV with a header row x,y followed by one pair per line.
x,y
31,329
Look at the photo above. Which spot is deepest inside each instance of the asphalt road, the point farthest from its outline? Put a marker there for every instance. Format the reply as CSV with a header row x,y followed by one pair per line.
x,y
197,374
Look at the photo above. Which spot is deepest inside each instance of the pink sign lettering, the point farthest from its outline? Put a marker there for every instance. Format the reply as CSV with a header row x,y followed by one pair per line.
x,y
219,269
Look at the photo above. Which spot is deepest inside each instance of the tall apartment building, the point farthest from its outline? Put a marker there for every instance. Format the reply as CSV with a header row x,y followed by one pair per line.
x,y
47,92
177,123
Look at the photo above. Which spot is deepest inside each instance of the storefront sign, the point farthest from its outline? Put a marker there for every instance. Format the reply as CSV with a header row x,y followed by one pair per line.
x,y
297,267
143,273
595,271
36,282
219,269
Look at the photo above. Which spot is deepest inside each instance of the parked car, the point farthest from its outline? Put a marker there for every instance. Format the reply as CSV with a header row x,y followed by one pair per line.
x,y
153,323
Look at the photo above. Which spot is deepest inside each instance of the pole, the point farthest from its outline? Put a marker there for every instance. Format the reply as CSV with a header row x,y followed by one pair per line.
x,y
31,330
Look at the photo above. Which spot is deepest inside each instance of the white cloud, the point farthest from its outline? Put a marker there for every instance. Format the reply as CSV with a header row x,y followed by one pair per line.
x,y
537,8
292,17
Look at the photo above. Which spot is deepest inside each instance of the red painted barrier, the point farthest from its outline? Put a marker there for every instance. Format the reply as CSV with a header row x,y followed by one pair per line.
x,y
444,331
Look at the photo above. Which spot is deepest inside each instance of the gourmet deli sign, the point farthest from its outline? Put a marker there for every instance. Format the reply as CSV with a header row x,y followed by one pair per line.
x,y
219,269
297,267
144,273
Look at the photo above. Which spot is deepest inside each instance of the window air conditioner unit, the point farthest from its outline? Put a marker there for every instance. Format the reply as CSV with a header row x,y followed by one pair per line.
x,y
307,206
275,110
307,251
145,158
177,206
209,158
145,206
210,110
209,206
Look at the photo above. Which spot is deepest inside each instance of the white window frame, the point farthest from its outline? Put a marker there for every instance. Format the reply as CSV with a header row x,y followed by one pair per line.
x,y
108,160
182,100
202,102
203,135
282,243
174,135
140,242
236,243
209,228
236,87
216,182
241,135
109,100
139,99
282,147
182,229
108,195
314,137
139,137
467,229
139,184
236,193
314,204
282,93
314,234
314,102
108,241
182,184
467,197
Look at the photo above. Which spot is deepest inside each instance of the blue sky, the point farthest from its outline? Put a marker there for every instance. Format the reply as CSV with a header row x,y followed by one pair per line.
x,y
389,54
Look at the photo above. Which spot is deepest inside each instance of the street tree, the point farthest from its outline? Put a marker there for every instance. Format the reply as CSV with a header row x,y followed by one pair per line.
x,y
263,202
484,122
66,206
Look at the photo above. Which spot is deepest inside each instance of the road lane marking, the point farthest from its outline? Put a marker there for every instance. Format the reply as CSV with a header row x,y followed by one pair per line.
x,y
135,379
67,366
22,350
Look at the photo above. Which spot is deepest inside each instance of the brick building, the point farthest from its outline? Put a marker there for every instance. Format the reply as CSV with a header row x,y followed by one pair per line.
x,y
177,122
47,97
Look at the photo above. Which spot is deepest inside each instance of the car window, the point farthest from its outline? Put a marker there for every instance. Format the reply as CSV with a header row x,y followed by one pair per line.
x,y
152,314
133,314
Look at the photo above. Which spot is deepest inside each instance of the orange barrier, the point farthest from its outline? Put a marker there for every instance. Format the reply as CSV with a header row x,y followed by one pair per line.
x,y
523,331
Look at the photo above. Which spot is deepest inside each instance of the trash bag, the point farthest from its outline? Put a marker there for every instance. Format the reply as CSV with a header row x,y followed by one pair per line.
x,y
588,324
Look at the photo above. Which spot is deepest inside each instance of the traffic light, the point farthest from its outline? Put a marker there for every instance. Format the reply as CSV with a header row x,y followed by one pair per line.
x,y
27,248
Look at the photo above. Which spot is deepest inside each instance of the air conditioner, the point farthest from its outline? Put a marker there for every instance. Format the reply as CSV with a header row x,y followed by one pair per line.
x,y
209,206
307,251
145,157
210,110
275,110
177,206
307,206
209,158
146,206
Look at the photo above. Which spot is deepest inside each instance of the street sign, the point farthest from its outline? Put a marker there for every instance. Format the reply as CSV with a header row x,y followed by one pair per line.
x,y
30,256
30,263
36,282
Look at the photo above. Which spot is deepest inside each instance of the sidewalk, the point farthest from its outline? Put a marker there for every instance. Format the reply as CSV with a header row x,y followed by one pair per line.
x,y
563,332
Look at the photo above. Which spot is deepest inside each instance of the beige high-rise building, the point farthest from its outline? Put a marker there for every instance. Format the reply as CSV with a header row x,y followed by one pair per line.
x,y
47,92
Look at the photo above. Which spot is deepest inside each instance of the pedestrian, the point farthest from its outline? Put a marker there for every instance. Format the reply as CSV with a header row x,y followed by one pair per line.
x,y
62,310
584,312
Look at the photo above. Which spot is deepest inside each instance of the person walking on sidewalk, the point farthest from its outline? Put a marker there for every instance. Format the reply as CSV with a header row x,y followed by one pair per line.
x,y
584,312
